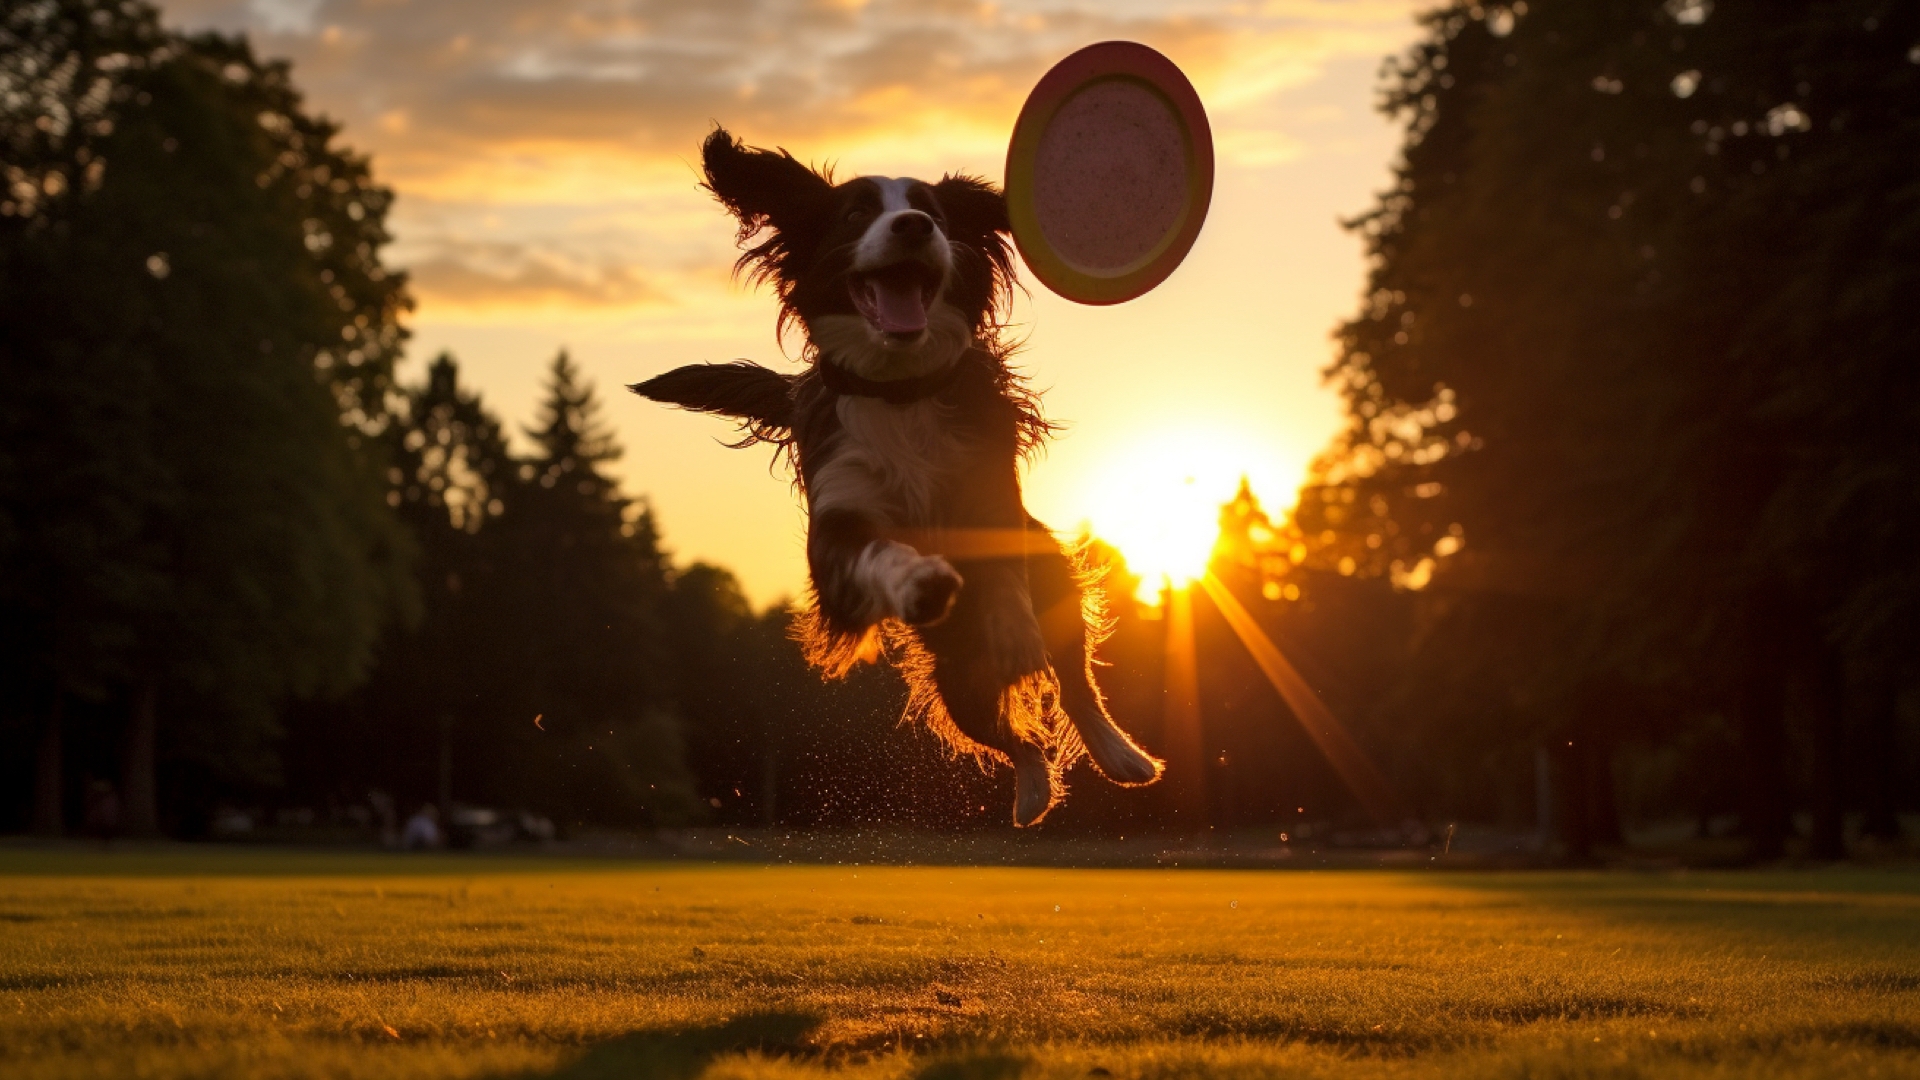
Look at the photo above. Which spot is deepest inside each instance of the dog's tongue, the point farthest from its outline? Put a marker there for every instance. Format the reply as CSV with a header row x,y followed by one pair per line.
x,y
897,304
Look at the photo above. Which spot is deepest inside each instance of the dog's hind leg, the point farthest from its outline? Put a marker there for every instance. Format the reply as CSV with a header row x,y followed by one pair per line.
x,y
974,704
1058,602
970,674
1036,786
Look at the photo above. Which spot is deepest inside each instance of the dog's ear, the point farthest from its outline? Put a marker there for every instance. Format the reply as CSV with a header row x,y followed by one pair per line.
x,y
977,217
975,211
762,188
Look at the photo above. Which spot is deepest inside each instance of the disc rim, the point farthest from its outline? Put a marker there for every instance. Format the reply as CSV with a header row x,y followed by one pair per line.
x,y
1108,60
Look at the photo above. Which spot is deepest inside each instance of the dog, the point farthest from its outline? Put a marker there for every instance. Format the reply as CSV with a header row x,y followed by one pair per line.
x,y
906,431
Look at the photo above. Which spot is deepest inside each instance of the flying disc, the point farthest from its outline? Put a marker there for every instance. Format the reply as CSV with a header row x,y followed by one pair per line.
x,y
1109,173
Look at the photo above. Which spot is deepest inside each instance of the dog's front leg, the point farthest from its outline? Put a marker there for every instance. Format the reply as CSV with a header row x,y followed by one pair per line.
x,y
863,578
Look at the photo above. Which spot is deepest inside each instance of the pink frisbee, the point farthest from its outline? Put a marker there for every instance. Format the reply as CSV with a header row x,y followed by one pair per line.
x,y
1109,173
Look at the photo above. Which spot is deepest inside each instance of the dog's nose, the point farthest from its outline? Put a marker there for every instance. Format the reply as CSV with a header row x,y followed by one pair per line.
x,y
912,225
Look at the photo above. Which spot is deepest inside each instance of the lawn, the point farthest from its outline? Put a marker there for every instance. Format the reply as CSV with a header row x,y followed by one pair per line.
x,y
217,963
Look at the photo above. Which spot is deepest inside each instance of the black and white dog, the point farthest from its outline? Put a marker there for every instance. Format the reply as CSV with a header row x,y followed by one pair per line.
x,y
907,430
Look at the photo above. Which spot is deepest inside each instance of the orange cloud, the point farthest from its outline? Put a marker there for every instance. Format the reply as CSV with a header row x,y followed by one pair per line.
x,y
489,276
492,116
651,75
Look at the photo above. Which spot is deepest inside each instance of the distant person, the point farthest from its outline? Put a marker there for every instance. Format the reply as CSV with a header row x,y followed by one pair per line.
x,y
383,808
102,812
423,829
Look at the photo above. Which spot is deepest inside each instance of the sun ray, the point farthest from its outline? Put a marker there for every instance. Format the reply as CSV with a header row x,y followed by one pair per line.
x,y
957,543
1181,689
1359,772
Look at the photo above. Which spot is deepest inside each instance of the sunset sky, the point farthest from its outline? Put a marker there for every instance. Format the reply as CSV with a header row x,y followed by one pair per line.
x,y
542,151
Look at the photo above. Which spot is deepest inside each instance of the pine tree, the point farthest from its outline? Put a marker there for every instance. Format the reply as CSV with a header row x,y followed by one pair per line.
x,y
589,583
549,668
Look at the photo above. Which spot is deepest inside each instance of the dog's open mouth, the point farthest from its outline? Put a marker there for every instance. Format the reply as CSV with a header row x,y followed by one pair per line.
x,y
894,299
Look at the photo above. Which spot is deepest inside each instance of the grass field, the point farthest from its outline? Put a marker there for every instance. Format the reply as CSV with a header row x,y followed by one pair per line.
x,y
216,963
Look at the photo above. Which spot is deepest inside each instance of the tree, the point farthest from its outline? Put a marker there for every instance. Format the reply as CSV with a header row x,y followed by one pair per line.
x,y
200,339
587,587
1628,388
451,479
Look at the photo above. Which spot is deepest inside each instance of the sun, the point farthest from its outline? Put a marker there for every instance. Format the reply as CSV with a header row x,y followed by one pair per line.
x,y
1159,504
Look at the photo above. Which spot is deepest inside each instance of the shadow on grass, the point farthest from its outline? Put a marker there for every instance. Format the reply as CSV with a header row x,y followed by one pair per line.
x,y
980,1066
684,1054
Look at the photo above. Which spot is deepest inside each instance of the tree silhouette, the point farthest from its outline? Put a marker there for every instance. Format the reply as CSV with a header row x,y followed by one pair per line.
x,y
437,681
200,334
1628,385
588,582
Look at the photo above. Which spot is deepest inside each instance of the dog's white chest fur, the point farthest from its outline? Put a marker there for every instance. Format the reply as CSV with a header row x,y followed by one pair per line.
x,y
888,457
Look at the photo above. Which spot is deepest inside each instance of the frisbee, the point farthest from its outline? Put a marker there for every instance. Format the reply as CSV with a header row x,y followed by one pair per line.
x,y
1109,173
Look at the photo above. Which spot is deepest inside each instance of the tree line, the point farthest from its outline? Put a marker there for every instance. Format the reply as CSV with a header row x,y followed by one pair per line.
x,y
1619,530
242,565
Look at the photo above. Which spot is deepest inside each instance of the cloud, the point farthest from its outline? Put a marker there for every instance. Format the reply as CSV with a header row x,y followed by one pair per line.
x,y
461,275
650,75
284,16
515,108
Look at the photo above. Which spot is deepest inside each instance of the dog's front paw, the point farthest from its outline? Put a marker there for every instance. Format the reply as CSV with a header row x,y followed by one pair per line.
x,y
901,583
928,591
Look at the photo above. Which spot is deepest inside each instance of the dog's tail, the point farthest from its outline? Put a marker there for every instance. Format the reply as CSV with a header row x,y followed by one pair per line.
x,y
761,399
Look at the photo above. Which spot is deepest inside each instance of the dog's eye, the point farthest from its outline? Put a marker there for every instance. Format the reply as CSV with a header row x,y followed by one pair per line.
x,y
857,213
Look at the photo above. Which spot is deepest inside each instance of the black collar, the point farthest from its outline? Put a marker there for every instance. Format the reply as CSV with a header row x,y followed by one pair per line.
x,y
892,391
